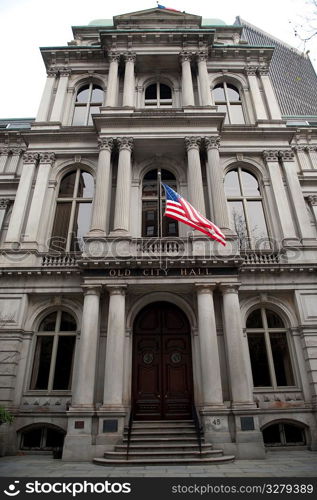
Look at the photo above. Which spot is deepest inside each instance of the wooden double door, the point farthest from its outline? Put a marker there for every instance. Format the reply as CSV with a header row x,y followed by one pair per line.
x,y
162,380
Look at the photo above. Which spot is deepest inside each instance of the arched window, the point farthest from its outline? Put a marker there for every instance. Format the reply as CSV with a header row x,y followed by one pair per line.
x,y
158,95
88,100
42,438
73,211
54,353
269,350
284,434
246,209
228,100
153,205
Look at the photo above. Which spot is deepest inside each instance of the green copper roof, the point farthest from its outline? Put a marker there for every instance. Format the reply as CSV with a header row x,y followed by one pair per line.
x,y
213,22
101,22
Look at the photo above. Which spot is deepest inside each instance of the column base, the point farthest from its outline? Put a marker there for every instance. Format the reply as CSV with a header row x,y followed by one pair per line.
x,y
96,233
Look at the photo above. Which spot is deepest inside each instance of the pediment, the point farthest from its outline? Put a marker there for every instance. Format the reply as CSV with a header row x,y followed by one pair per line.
x,y
156,18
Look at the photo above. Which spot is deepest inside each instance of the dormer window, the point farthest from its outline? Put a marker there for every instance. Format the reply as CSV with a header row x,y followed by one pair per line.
x,y
158,95
228,100
88,101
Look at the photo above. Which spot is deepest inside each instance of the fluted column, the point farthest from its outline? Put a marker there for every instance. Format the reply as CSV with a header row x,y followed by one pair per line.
x,y
42,114
273,106
187,81
112,86
296,195
123,191
129,81
40,192
257,100
84,382
4,153
4,203
22,197
209,355
282,207
236,348
58,106
216,192
114,368
205,92
12,166
194,176
312,152
303,158
100,214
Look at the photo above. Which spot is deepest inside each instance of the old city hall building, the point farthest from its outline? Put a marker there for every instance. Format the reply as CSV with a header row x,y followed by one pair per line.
x,y
119,325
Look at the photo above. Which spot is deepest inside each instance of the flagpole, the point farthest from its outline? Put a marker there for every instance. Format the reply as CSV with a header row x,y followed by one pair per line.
x,y
159,187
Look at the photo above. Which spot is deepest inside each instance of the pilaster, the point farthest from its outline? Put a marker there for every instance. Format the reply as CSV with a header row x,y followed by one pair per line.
x,y
271,100
42,114
58,106
257,100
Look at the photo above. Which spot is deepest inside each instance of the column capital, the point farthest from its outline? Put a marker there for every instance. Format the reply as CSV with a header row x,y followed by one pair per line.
x,y
105,144
212,142
312,199
114,56
125,143
202,56
310,148
192,143
299,148
129,56
270,155
117,289
30,158
251,70
17,151
185,56
52,72
64,71
263,70
4,202
205,289
229,288
91,289
287,155
47,158
4,151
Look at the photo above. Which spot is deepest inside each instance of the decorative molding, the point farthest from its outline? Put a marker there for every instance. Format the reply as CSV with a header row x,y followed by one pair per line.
x,y
105,144
114,56
287,155
263,70
312,200
129,56
212,142
270,155
192,143
125,143
229,288
52,72
17,151
30,158
251,70
310,148
117,289
47,158
4,202
185,56
206,289
64,72
91,289
202,56
4,151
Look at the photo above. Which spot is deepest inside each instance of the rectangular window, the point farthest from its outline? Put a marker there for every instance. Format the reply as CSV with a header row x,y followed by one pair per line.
x,y
259,361
64,362
281,359
42,362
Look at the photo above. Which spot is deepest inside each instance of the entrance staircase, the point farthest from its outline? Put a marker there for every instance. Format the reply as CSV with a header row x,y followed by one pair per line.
x,y
163,442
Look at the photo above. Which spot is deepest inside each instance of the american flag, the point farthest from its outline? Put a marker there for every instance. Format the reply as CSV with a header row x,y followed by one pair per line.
x,y
178,208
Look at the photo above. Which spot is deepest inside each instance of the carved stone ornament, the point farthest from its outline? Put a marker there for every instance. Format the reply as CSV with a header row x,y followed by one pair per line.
x,y
263,70
4,151
202,56
270,155
47,158
52,72
192,143
64,71
312,199
212,142
114,56
185,56
311,148
4,203
17,151
129,56
251,70
105,143
287,155
30,157
125,143
299,149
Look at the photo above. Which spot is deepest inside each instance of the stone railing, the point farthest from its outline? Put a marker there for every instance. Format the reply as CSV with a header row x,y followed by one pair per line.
x,y
259,258
62,260
153,246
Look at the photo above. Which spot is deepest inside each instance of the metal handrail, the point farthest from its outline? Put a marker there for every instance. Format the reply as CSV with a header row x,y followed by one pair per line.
x,y
198,426
129,431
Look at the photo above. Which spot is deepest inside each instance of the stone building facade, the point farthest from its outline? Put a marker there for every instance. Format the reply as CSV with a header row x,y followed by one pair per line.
x,y
108,309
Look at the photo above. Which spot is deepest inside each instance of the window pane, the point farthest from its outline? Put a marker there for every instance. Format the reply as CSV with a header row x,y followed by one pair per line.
x,y
218,93
81,225
222,108
60,227
259,362
238,222
149,218
232,184
93,110
273,320
66,189
85,185
236,114
64,362
151,91
167,175
42,362
170,227
250,184
294,434
32,438
258,230
150,184
48,323
272,435
79,117
97,94
165,91
281,358
68,323
54,439
233,93
83,94
255,319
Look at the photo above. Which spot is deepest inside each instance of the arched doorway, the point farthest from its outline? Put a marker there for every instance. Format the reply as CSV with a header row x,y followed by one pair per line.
x,y
162,379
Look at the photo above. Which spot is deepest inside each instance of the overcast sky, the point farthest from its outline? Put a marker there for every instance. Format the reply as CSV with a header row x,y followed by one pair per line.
x,y
28,24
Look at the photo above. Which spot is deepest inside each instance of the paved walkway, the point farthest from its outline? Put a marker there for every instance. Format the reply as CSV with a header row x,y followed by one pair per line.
x,y
277,464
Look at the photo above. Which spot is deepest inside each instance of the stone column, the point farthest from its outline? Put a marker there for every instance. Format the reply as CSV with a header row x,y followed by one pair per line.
x,y
40,192
194,177
187,81
4,203
84,382
112,86
14,160
58,106
236,346
100,214
216,191
272,104
259,109
22,197
296,196
129,81
42,114
123,191
209,355
312,200
114,368
4,153
205,92
312,152
282,207
303,158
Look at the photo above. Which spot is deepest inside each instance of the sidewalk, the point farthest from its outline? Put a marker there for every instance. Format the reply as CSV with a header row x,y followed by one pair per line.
x,y
277,464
